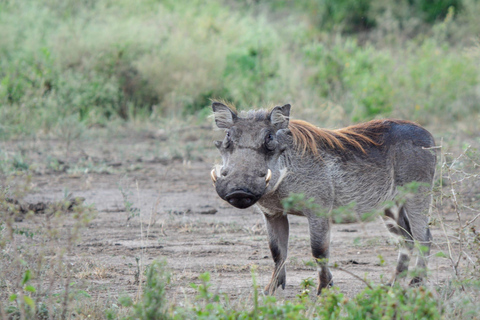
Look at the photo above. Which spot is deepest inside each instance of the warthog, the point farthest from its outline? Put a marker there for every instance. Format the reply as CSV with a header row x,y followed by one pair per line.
x,y
267,157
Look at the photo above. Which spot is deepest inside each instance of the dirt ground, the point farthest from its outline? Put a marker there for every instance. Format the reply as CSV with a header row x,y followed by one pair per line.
x,y
154,205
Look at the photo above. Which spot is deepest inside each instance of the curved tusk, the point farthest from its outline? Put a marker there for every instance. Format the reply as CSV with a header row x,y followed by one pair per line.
x,y
269,176
213,176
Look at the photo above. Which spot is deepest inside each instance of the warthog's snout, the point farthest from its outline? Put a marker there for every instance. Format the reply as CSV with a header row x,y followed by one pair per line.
x,y
237,196
241,199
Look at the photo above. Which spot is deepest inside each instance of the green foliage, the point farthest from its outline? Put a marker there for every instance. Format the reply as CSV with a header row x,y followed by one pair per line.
x,y
376,83
306,284
380,303
376,302
343,214
353,16
297,202
433,10
216,306
153,303
348,15
130,210
95,61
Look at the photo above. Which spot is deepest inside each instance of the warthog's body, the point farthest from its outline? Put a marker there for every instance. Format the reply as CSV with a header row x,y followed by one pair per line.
x,y
266,157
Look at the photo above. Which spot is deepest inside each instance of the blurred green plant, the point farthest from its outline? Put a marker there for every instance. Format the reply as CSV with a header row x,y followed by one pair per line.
x,y
353,16
97,61
381,303
153,303
375,302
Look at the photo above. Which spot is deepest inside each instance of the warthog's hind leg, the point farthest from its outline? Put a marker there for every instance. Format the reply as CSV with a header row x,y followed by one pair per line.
x,y
398,224
278,229
410,229
417,209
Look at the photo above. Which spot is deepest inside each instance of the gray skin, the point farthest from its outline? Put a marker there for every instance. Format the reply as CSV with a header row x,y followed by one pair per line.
x,y
259,141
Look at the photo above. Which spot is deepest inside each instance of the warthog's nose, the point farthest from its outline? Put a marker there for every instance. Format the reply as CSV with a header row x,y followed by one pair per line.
x,y
241,199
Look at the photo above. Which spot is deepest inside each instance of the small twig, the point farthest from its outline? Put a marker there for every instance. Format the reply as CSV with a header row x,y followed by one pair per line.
x,y
469,258
449,245
471,221
353,275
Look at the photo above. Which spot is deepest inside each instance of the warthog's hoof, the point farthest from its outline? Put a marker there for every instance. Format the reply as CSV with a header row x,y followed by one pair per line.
x,y
274,284
329,285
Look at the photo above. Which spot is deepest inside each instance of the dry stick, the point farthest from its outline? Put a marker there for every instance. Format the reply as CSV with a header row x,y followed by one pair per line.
x,y
460,240
142,248
441,174
69,276
2,311
51,270
441,204
469,258
20,298
455,203
353,275
452,260
274,281
449,245
471,221
65,299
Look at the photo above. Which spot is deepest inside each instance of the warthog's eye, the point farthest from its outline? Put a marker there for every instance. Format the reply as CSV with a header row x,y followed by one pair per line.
x,y
228,140
270,143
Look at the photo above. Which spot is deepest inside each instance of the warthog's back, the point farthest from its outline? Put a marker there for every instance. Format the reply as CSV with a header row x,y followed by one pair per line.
x,y
362,164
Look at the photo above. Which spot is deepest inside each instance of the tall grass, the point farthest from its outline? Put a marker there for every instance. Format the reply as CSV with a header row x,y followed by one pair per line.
x,y
36,276
98,60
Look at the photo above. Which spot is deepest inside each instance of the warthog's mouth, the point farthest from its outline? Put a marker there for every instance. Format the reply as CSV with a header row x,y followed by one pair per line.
x,y
213,175
241,199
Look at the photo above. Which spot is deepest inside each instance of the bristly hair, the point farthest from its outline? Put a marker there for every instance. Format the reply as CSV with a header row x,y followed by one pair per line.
x,y
308,137
227,103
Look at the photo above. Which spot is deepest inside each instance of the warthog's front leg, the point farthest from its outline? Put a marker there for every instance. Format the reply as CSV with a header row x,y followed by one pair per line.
x,y
278,229
320,243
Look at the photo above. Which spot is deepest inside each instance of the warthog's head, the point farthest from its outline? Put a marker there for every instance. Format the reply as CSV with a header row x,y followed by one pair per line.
x,y
250,151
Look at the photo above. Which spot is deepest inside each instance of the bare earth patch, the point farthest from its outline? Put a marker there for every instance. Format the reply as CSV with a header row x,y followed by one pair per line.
x,y
149,208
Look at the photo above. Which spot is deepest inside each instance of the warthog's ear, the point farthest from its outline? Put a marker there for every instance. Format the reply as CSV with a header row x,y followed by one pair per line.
x,y
224,117
279,116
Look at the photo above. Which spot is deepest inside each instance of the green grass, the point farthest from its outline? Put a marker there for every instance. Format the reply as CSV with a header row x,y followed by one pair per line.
x,y
374,302
104,60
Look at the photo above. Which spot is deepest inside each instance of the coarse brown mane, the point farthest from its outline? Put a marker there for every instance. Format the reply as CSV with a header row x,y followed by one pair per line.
x,y
308,137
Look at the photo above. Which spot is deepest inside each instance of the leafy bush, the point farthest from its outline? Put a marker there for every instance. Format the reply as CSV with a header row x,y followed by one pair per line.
x,y
153,304
374,302
362,73
101,60
381,303
350,16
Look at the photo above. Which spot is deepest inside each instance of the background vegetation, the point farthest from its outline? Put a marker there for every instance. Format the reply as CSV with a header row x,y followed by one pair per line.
x,y
343,61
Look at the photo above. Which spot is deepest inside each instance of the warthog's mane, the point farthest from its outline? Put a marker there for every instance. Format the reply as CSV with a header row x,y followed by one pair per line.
x,y
310,138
